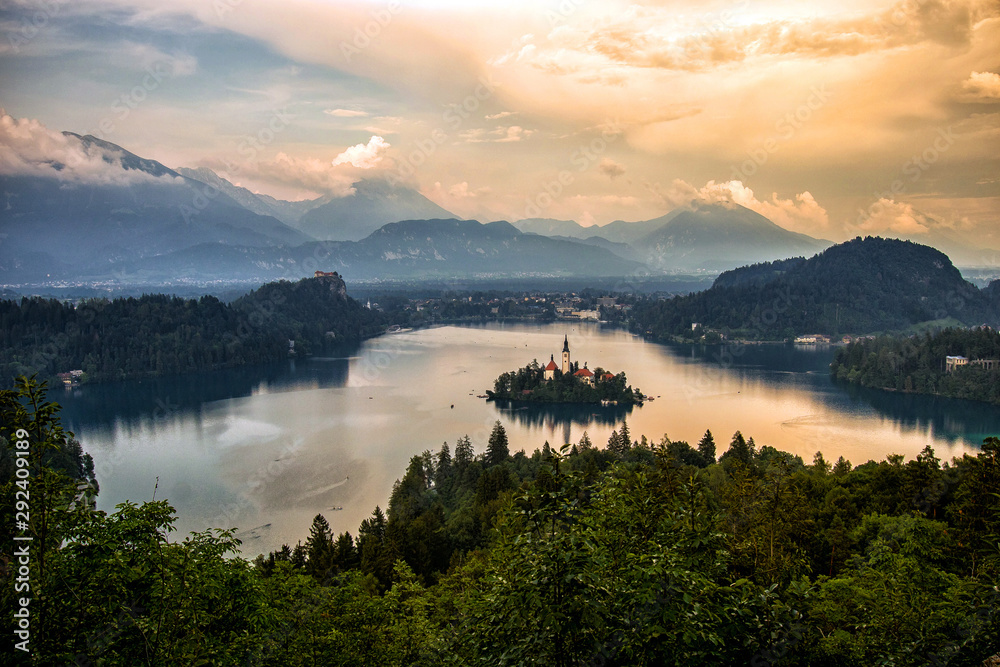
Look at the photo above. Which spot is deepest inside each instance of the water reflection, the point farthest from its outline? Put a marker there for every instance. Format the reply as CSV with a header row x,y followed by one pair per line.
x,y
947,418
159,399
807,367
550,416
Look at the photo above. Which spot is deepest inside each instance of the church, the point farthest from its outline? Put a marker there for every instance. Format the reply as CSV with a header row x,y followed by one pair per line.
x,y
585,375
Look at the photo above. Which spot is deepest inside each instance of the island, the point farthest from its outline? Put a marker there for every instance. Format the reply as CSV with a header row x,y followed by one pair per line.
x,y
565,383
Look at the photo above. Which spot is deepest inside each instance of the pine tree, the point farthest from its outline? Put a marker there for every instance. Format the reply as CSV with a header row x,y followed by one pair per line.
x,y
820,465
319,546
625,437
614,443
740,450
585,442
842,467
444,460
498,449
706,447
463,453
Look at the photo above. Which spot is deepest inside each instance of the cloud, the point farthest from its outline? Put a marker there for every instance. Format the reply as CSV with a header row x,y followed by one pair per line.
x,y
890,216
28,148
498,135
502,114
363,156
801,213
311,174
610,168
345,113
982,87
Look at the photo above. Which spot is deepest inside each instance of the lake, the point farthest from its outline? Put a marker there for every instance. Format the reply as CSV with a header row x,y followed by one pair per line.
x,y
267,448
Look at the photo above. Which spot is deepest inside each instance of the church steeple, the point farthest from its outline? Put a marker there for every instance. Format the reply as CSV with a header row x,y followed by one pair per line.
x,y
565,356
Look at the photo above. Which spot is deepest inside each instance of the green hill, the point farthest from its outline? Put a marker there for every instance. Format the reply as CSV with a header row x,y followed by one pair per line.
x,y
862,286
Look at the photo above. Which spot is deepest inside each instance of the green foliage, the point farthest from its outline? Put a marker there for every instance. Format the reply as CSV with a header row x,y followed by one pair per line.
x,y
157,334
529,384
917,364
861,286
645,555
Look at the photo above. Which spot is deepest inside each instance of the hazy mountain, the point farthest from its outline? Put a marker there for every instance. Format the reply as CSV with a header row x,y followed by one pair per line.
x,y
861,286
288,212
373,204
553,227
717,237
64,229
621,231
411,249
623,250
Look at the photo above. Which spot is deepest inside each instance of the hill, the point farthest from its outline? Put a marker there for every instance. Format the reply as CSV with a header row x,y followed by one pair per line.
x,y
861,286
158,334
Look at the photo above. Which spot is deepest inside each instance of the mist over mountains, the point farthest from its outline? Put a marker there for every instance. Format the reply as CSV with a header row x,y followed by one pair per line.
x,y
112,216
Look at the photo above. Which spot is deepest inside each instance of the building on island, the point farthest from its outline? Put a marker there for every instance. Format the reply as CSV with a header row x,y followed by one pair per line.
x,y
585,375
565,355
551,368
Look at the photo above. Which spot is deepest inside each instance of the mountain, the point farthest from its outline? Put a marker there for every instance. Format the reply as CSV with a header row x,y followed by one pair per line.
x,y
715,236
373,204
288,212
553,227
64,229
861,286
623,250
621,231
406,250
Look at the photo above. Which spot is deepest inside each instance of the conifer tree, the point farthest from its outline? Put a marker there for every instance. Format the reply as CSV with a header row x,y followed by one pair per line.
x,y
498,449
706,447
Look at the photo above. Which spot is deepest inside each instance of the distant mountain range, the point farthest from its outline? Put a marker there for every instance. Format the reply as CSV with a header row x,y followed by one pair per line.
x,y
161,225
706,237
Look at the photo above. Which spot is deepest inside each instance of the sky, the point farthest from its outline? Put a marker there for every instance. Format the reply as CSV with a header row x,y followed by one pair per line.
x,y
832,119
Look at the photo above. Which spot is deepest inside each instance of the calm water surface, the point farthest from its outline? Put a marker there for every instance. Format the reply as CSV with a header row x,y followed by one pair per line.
x,y
267,448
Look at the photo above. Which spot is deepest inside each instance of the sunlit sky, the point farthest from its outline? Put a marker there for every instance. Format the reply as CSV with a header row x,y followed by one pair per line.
x,y
832,119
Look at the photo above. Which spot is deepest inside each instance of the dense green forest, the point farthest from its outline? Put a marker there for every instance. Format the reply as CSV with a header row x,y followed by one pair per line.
x,y
634,554
862,286
158,334
917,364
529,384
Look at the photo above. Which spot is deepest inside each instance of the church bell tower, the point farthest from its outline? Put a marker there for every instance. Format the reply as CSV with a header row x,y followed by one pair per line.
x,y
565,355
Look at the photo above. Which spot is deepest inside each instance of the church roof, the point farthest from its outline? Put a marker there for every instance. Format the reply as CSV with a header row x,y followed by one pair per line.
x,y
584,372
551,366
565,343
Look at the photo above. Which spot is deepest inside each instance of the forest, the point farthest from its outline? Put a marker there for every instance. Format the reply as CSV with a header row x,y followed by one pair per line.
x,y
529,384
863,286
637,553
917,363
156,334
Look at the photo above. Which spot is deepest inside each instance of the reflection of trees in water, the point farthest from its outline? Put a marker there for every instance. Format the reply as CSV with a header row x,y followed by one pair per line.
x,y
160,398
552,415
948,418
